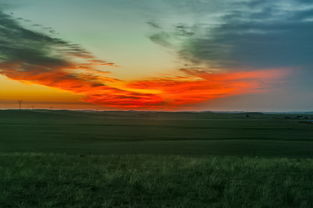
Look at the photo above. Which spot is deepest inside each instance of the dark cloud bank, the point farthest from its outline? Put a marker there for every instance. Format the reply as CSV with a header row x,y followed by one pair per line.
x,y
255,34
28,50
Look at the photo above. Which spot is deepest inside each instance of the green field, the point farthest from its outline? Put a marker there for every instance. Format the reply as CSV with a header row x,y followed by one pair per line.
x,y
156,133
155,159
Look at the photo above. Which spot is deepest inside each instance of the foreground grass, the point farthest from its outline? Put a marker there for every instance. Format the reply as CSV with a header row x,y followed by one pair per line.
x,y
57,180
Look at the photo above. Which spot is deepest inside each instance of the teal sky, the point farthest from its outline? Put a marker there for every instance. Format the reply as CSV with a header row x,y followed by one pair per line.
x,y
152,40
112,30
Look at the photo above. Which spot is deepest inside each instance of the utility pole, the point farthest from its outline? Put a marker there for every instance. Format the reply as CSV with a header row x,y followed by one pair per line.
x,y
20,104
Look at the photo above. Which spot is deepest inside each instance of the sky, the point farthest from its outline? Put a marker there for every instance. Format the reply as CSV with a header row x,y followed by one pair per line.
x,y
222,55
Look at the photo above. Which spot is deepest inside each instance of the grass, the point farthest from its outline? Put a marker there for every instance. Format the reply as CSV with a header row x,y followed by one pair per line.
x,y
58,180
155,133
146,159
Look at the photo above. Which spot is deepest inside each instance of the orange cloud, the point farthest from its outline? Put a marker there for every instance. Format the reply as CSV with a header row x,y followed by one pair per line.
x,y
99,88
195,87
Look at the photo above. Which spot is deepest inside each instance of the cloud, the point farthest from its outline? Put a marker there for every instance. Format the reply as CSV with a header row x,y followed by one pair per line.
x,y
36,50
239,34
258,34
37,58
197,86
162,39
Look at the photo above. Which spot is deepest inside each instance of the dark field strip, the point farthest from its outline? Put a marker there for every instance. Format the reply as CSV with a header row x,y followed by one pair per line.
x,y
253,148
266,128
61,180
237,134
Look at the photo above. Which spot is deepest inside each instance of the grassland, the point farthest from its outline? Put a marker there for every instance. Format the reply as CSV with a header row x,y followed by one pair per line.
x,y
156,133
56,180
153,159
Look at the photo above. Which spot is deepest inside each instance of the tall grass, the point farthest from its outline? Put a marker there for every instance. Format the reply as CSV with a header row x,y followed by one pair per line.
x,y
57,180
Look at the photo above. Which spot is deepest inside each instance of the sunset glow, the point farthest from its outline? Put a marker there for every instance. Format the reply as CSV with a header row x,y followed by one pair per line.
x,y
162,59
99,88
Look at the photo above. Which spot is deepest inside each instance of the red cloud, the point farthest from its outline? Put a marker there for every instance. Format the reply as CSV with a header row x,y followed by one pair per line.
x,y
161,93
194,87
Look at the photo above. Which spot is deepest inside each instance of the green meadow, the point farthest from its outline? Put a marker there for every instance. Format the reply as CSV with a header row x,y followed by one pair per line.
x,y
155,159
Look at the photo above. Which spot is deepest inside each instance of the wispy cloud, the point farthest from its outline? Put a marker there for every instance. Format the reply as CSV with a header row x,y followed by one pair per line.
x,y
35,57
197,86
239,34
